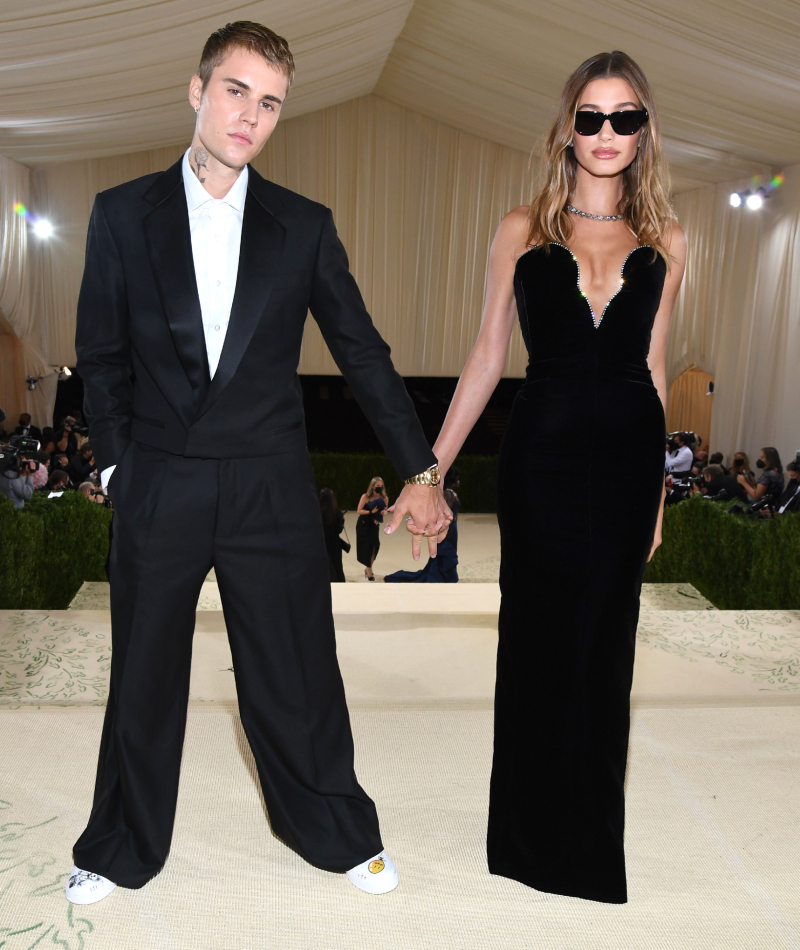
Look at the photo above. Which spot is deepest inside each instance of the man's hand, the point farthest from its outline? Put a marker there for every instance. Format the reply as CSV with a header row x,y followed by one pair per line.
x,y
426,513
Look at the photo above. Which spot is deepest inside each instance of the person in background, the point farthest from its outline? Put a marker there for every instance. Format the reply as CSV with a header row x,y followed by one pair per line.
x,y
92,492
790,499
16,478
26,429
332,526
701,457
66,442
680,456
717,459
370,510
770,482
442,569
60,463
718,480
741,466
48,440
42,473
82,464
58,481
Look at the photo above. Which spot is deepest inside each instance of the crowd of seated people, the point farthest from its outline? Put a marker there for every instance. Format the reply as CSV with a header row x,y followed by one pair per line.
x,y
690,470
62,462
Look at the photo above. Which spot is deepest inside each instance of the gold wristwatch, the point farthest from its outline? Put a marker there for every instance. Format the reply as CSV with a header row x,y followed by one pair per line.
x,y
430,477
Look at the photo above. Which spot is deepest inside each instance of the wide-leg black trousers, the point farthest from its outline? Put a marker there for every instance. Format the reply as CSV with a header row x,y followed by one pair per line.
x,y
257,522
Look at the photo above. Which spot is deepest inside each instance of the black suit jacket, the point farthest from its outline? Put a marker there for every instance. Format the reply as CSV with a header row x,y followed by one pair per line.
x,y
140,342
34,432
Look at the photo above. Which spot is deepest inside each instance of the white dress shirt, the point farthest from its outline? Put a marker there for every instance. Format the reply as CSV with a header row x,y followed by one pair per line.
x,y
680,461
216,228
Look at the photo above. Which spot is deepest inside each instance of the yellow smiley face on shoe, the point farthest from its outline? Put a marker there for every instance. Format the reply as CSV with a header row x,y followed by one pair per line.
x,y
376,866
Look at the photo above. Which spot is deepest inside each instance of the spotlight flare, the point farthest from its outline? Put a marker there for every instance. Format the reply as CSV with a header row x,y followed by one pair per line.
x,y
42,228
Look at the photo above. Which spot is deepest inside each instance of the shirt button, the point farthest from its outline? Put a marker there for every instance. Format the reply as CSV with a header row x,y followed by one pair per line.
x,y
216,327
218,283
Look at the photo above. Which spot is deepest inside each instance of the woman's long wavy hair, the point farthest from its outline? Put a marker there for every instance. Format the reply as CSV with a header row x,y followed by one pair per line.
x,y
645,203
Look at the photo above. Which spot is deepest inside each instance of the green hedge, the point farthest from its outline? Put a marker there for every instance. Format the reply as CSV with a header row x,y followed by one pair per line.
x,y
49,548
349,476
738,562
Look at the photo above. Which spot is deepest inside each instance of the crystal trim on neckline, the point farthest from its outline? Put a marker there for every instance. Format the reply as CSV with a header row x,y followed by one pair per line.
x,y
595,322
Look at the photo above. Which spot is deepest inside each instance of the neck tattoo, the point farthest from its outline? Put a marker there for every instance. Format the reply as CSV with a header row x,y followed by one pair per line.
x,y
200,156
596,217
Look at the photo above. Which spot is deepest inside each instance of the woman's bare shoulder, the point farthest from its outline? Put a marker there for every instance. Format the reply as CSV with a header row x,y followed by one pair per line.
x,y
676,242
512,233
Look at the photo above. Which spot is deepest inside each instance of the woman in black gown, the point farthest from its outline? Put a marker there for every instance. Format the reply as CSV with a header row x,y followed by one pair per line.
x,y
591,270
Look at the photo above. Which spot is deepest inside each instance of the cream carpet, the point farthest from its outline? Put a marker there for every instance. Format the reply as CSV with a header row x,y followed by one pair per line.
x,y
713,831
712,842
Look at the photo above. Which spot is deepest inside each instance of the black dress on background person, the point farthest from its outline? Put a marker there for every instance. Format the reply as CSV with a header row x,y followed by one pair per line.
x,y
333,546
368,537
570,577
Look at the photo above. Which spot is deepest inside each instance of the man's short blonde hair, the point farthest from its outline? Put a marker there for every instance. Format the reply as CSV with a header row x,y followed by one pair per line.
x,y
244,34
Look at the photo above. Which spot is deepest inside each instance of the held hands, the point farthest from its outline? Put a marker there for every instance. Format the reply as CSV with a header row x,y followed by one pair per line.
x,y
426,513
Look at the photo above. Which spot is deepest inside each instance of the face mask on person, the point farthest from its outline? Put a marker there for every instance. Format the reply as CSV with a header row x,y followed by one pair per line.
x,y
738,462
761,463
379,489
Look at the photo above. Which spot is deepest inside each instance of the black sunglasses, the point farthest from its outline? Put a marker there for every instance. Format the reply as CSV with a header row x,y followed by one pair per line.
x,y
623,123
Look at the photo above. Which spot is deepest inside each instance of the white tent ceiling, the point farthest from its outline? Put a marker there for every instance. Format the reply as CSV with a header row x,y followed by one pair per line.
x,y
81,78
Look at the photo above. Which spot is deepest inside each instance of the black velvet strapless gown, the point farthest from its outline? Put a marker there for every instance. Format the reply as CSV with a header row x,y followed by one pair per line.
x,y
576,528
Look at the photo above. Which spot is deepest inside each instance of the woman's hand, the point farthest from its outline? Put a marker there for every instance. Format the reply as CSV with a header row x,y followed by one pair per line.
x,y
656,541
427,514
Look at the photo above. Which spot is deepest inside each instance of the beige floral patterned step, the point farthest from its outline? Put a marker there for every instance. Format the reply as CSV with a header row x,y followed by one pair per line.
x,y
94,595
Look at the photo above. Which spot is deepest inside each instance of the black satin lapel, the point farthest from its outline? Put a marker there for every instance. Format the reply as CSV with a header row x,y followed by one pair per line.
x,y
259,259
169,244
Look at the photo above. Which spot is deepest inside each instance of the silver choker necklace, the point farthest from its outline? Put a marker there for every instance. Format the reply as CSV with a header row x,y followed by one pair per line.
x,y
596,217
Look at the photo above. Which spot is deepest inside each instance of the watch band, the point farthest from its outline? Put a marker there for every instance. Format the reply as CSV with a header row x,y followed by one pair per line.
x,y
430,477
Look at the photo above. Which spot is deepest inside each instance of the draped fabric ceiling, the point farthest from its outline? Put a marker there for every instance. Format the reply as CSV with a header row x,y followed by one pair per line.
x,y
413,120
84,78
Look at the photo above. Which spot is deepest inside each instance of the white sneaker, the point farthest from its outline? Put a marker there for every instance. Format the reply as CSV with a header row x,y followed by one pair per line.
x,y
83,887
376,876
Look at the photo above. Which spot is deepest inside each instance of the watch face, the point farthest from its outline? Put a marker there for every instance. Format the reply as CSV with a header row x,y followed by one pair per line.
x,y
435,476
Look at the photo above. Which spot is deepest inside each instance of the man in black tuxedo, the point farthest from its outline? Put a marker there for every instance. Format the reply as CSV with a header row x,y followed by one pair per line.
x,y
26,429
196,289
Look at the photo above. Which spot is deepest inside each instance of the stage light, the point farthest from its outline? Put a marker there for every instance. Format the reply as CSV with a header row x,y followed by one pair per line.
x,y
754,202
42,228
735,199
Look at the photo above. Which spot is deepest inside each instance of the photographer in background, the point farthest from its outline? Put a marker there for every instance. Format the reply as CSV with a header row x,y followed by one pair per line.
x,y
741,466
718,485
60,463
58,482
82,465
679,457
92,492
790,499
770,484
16,476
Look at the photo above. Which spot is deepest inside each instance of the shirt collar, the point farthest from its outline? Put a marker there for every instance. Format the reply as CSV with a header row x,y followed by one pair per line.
x,y
196,195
